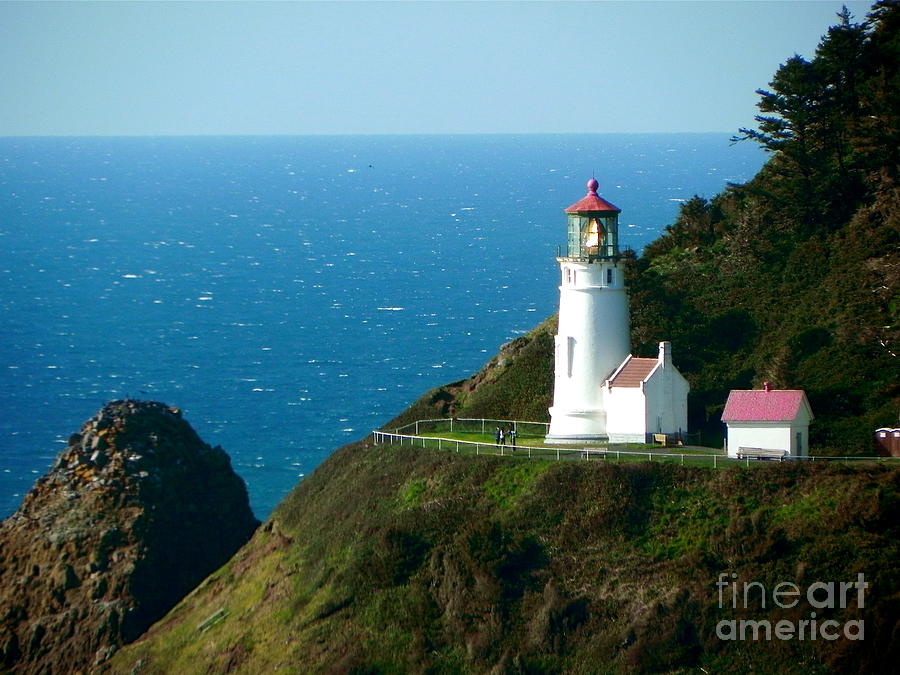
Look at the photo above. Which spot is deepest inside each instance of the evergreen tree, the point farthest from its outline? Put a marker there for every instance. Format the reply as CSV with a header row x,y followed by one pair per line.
x,y
877,137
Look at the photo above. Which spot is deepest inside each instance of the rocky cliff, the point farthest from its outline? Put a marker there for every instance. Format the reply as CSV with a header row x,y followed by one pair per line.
x,y
135,512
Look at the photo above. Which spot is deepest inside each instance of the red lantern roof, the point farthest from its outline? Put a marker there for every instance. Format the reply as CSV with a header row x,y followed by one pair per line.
x,y
592,202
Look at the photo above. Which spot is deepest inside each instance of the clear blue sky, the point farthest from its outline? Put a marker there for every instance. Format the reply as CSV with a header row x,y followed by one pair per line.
x,y
137,68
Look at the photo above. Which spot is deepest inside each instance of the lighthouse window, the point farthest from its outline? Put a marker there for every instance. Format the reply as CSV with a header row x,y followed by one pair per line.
x,y
568,275
609,276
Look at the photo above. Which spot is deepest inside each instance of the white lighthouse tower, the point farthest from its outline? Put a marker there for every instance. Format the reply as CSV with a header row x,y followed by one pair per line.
x,y
593,336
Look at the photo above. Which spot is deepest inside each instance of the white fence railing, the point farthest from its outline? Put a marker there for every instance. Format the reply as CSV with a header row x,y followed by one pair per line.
x,y
477,425
560,453
536,452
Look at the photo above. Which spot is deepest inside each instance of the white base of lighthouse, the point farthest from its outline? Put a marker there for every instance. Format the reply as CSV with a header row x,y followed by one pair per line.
x,y
591,342
579,426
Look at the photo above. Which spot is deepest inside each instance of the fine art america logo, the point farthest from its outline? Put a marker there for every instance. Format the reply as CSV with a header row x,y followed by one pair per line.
x,y
818,596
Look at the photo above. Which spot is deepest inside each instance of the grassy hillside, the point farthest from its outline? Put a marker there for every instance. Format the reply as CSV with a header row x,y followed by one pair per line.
x,y
390,560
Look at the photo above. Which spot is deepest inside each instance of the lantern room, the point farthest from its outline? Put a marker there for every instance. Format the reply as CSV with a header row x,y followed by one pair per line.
x,y
593,227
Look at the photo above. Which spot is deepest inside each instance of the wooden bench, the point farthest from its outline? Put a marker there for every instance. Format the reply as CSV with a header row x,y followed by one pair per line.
x,y
666,440
761,453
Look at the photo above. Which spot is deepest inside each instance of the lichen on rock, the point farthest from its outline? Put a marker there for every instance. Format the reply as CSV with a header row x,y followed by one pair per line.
x,y
134,513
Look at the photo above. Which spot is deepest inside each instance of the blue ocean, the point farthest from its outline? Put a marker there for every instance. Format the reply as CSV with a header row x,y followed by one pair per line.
x,y
292,293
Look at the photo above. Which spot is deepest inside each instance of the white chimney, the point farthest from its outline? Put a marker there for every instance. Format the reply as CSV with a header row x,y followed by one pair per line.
x,y
665,354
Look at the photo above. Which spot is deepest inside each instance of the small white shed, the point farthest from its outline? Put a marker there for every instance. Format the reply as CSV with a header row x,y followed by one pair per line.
x,y
646,396
767,419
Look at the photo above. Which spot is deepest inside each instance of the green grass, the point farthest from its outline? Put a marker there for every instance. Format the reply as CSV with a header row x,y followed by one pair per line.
x,y
410,494
534,447
685,518
812,506
511,480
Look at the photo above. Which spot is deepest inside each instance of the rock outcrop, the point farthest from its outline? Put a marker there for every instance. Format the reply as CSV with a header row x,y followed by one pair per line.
x,y
136,511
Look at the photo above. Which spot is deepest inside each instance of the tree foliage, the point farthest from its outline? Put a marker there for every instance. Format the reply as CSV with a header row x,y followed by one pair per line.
x,y
793,276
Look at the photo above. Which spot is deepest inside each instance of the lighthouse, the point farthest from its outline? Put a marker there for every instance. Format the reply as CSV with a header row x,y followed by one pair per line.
x,y
592,340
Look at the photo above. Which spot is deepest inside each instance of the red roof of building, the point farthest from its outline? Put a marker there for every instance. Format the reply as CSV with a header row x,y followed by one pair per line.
x,y
764,405
633,372
593,202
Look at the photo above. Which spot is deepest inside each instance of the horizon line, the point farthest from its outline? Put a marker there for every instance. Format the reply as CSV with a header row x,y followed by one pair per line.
x,y
366,134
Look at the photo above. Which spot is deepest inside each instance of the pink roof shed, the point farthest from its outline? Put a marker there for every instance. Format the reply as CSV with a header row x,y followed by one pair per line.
x,y
766,405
